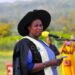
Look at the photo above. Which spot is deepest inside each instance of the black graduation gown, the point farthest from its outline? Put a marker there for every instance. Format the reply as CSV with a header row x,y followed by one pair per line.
x,y
20,58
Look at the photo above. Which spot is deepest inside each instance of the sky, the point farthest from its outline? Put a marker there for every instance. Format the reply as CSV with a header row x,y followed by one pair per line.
x,y
11,1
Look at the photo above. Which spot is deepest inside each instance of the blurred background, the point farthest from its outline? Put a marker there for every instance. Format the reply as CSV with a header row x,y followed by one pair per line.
x,y
11,12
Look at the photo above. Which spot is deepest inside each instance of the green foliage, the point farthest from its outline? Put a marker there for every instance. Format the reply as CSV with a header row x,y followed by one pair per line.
x,y
7,43
61,34
5,57
5,29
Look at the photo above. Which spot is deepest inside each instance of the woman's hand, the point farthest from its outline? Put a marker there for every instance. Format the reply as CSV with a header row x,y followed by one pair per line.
x,y
39,66
55,62
59,61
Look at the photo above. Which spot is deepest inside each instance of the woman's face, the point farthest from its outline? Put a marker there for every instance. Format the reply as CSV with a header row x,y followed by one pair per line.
x,y
36,28
48,40
68,43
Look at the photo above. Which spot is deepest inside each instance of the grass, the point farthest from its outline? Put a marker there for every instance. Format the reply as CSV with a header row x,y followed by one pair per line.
x,y
5,57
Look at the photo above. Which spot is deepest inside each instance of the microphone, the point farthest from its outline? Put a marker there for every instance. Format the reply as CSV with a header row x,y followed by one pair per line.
x,y
60,38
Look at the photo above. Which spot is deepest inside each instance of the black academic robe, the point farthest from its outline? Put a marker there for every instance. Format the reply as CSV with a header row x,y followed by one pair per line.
x,y
20,58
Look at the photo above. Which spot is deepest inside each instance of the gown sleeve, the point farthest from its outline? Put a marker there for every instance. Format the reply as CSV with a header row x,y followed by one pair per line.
x,y
30,64
20,57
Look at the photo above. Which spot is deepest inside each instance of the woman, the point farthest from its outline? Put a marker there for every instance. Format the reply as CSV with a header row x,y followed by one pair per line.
x,y
53,47
31,55
68,64
48,41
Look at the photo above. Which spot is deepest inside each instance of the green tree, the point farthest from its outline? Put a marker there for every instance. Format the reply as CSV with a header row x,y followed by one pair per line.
x,y
5,29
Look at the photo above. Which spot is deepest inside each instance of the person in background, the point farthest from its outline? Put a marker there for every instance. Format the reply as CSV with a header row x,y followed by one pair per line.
x,y
32,56
48,41
68,64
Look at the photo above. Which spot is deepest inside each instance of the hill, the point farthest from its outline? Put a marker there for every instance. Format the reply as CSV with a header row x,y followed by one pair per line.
x,y
13,12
